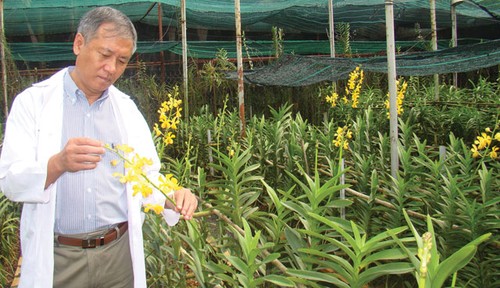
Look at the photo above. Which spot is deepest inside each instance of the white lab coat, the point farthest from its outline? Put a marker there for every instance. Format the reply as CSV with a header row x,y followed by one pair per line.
x,y
33,135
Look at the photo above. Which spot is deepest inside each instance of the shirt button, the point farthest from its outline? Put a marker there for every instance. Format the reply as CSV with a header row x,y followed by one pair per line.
x,y
89,216
88,115
89,190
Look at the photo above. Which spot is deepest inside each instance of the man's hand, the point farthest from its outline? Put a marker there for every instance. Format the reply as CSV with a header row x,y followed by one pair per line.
x,y
186,203
78,154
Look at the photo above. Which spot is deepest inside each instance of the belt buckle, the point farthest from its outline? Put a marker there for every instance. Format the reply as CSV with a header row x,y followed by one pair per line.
x,y
92,243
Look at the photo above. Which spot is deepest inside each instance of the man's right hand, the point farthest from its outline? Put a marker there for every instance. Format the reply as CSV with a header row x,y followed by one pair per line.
x,y
78,154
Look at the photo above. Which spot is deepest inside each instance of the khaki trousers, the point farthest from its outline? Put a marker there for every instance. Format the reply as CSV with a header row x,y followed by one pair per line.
x,y
108,266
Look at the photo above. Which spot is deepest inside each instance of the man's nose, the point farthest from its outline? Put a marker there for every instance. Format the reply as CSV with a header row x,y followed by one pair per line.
x,y
110,66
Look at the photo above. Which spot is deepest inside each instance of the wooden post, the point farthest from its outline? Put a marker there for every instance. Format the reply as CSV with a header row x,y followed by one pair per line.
x,y
4,62
391,73
184,60
332,28
239,57
454,36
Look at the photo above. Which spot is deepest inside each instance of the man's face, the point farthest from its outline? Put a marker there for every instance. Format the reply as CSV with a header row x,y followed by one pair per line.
x,y
100,61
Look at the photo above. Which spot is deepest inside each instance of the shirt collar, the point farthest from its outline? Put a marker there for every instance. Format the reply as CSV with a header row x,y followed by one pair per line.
x,y
73,92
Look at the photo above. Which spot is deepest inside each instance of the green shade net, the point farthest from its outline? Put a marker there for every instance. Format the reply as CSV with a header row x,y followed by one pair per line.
x,y
62,51
43,17
296,70
452,60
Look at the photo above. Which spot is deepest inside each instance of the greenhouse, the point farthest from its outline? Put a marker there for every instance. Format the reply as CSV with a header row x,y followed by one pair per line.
x,y
250,143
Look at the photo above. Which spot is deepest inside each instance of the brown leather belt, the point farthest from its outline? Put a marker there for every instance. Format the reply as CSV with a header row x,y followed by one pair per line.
x,y
109,237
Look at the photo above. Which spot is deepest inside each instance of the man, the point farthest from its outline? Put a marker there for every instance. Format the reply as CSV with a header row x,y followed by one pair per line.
x,y
81,227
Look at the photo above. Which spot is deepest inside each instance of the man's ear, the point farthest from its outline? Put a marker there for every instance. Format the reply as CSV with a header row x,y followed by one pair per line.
x,y
78,43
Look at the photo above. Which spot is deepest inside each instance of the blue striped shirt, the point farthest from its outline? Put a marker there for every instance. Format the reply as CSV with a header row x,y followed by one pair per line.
x,y
91,199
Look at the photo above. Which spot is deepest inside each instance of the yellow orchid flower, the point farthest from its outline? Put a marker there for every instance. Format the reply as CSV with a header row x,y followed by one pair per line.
x,y
154,207
493,153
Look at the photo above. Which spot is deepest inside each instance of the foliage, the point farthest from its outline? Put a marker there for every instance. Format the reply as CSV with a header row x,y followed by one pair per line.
x,y
277,41
270,213
9,241
146,90
299,213
281,186
429,270
344,36
235,192
365,259
166,259
248,268
212,78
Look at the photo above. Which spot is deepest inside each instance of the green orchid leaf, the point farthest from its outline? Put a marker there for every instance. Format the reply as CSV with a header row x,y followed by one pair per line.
x,y
279,280
317,276
384,269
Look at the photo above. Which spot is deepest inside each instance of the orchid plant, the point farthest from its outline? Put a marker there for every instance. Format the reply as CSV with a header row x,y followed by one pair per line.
x,y
135,165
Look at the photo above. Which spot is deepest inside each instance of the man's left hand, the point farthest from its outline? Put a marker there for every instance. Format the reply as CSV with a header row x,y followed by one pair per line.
x,y
186,203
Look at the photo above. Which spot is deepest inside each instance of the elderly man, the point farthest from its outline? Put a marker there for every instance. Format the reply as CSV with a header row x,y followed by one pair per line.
x,y
81,227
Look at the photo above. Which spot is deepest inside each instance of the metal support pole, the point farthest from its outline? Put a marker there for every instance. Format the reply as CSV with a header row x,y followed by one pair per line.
x,y
391,67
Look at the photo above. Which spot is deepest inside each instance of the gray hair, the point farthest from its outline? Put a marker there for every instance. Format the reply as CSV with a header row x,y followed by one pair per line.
x,y
93,19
